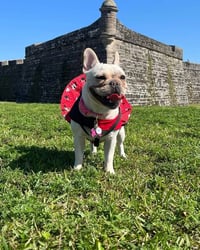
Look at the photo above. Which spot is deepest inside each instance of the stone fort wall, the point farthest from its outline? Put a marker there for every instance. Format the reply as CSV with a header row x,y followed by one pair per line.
x,y
10,79
156,73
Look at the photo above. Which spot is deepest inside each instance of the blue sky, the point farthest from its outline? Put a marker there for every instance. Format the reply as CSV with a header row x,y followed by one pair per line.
x,y
173,22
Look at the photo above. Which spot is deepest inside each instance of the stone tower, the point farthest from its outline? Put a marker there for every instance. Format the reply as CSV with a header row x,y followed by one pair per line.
x,y
108,27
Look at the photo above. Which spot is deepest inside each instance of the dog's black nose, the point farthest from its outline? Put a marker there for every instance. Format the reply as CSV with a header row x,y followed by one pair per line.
x,y
115,86
114,83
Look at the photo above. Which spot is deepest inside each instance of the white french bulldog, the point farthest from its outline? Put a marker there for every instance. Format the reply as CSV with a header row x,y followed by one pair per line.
x,y
102,94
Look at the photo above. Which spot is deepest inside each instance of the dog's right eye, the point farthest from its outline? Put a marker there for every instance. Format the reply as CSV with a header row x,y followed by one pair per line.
x,y
101,77
122,77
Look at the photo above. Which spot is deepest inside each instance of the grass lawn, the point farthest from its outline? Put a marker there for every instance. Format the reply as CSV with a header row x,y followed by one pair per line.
x,y
152,202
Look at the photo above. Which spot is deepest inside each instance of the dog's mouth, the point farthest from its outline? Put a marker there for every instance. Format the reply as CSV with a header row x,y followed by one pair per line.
x,y
112,101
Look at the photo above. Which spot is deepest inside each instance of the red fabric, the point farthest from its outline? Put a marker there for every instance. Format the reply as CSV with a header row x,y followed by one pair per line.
x,y
72,92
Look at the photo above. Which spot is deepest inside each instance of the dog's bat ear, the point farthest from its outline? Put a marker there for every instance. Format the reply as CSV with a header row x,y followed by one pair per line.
x,y
90,59
116,58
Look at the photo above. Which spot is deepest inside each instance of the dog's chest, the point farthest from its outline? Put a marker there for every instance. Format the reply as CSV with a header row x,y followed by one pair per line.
x,y
96,130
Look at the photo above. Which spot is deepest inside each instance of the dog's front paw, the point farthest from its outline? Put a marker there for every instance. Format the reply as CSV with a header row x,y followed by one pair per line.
x,y
109,170
78,167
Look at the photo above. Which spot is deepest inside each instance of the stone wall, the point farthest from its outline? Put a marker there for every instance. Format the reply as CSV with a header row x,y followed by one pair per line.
x,y
10,79
155,70
49,66
192,81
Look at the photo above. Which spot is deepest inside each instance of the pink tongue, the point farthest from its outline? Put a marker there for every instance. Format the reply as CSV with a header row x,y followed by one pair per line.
x,y
115,97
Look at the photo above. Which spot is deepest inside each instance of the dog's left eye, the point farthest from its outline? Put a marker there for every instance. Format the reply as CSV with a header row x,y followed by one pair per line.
x,y
122,77
102,77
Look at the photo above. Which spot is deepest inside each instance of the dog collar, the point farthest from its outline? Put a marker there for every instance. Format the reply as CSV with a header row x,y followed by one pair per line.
x,y
97,133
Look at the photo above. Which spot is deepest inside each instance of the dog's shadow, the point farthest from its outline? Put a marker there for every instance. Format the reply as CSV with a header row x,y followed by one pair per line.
x,y
37,159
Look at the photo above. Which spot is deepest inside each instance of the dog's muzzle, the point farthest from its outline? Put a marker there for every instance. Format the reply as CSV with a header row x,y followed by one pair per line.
x,y
112,99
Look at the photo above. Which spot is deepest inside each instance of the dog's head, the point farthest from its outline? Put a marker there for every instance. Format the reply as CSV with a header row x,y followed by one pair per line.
x,y
105,82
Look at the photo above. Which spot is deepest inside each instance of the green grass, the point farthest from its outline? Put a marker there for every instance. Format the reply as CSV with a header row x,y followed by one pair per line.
x,y
151,203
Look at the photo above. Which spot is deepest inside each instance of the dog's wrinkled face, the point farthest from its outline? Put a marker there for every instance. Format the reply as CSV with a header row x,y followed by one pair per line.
x,y
106,82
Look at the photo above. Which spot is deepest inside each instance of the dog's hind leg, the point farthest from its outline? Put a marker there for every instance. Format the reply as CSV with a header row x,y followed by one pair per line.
x,y
93,148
